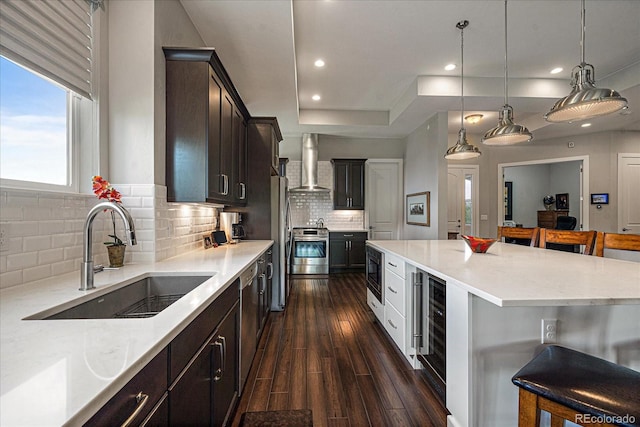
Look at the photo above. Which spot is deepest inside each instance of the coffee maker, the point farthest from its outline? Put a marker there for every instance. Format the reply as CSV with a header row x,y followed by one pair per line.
x,y
230,223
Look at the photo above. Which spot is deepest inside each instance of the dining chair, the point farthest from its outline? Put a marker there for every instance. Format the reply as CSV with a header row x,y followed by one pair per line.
x,y
519,234
623,242
567,237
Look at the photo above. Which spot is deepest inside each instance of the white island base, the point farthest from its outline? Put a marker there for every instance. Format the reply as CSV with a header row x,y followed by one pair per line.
x,y
495,306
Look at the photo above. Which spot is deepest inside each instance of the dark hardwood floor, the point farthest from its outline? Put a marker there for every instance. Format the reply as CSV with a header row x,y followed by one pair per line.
x,y
326,353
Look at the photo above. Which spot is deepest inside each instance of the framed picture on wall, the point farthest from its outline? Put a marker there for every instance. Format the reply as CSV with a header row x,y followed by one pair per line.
x,y
419,209
562,201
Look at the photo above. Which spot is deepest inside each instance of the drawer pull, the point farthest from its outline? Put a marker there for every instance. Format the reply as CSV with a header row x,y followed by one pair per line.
x,y
392,264
347,235
141,399
391,323
392,290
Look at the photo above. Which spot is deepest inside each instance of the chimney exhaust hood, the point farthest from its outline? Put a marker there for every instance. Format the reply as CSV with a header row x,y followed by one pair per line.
x,y
309,172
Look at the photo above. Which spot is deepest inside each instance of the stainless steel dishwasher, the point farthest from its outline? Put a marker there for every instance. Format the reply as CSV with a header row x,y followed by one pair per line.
x,y
248,320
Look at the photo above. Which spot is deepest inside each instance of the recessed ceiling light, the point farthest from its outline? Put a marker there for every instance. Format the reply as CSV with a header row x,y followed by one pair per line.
x,y
473,118
556,70
585,125
316,97
450,67
319,63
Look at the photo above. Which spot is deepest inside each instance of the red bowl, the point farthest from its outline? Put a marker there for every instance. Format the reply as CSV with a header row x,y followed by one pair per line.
x,y
478,245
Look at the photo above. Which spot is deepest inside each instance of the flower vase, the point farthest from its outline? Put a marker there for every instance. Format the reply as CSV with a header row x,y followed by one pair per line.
x,y
116,255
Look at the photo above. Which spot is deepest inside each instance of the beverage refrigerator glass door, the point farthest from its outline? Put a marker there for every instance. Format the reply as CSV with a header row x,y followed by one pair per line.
x,y
429,329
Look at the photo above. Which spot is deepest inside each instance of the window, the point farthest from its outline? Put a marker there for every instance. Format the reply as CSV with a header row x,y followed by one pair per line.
x,y
49,113
34,117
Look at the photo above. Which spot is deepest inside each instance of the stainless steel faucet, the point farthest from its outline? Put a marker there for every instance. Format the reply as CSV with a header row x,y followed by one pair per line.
x,y
87,256
320,223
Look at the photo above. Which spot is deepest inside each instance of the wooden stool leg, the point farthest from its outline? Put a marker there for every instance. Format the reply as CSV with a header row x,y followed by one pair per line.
x,y
529,415
556,421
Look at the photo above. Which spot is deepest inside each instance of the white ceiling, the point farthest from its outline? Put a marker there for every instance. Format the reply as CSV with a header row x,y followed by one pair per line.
x,y
384,73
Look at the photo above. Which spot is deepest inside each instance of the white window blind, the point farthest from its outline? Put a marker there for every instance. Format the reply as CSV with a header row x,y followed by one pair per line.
x,y
52,37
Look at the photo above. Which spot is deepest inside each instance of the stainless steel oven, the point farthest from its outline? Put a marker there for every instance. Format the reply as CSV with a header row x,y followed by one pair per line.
x,y
310,251
429,328
374,272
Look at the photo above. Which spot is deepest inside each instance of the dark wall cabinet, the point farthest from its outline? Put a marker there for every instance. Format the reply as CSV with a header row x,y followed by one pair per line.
x,y
347,251
348,183
206,156
263,136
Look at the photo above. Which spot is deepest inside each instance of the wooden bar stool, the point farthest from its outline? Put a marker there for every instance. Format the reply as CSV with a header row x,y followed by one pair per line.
x,y
622,242
520,233
577,387
568,237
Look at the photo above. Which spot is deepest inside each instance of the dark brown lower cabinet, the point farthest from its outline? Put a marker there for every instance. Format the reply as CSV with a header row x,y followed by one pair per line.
x,y
205,392
191,382
347,251
137,398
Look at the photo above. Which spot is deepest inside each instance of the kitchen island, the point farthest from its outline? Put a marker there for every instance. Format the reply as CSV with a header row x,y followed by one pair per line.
x,y
495,303
61,372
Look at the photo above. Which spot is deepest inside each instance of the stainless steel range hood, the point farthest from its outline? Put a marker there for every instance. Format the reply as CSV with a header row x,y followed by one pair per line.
x,y
309,173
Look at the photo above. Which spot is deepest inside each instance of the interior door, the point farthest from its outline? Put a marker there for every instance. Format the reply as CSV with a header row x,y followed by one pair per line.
x,y
383,199
462,202
628,194
455,198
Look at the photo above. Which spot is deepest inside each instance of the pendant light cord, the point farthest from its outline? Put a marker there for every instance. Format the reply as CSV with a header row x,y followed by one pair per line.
x,y
582,31
462,25
506,70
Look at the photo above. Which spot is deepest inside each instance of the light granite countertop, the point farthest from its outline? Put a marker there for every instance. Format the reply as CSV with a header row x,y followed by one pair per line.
x,y
60,372
514,275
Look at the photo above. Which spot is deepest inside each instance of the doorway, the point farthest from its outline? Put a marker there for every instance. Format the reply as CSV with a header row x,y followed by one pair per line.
x,y
462,201
566,179
383,195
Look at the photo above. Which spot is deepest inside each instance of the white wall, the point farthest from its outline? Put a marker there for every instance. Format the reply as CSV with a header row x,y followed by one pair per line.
x,y
602,149
425,169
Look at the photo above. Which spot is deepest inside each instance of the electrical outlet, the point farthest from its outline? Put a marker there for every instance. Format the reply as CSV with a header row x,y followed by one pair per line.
x,y
549,331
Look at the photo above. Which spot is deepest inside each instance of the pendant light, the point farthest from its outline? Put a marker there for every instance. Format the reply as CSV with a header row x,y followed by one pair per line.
x,y
507,132
462,150
585,100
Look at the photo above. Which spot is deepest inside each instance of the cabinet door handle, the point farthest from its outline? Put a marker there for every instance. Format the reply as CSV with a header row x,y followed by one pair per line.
x,y
243,191
217,374
349,244
263,280
346,245
416,332
391,323
225,184
392,290
141,399
224,353
270,267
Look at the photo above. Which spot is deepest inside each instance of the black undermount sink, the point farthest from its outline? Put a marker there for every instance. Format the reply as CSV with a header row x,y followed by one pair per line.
x,y
143,298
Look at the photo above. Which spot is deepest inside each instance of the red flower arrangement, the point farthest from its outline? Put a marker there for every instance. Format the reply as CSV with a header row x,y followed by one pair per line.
x,y
103,190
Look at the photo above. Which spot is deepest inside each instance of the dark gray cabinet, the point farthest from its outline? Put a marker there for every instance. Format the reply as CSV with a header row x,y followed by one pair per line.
x,y
347,251
348,184
206,130
137,397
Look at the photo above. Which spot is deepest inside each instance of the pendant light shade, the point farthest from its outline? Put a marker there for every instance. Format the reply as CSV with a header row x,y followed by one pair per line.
x,y
462,150
507,132
585,100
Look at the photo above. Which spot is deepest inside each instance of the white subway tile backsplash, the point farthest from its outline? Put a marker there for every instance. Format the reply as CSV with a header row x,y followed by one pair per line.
x,y
44,230
36,273
10,278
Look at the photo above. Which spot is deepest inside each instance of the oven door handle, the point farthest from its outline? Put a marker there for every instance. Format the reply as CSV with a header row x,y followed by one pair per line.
x,y
416,326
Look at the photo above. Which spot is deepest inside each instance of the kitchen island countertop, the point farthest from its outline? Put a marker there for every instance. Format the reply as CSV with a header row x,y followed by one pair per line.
x,y
514,275
60,372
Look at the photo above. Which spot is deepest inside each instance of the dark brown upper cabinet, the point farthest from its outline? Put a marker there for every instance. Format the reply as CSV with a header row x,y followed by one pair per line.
x,y
206,159
348,183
